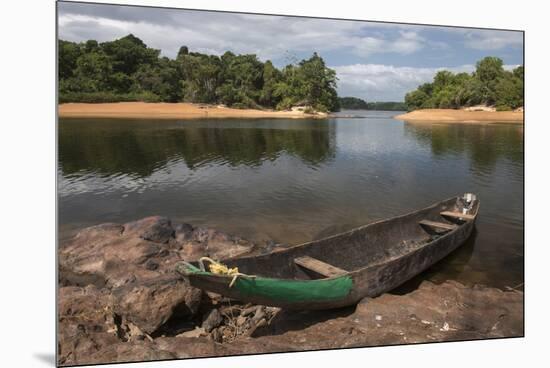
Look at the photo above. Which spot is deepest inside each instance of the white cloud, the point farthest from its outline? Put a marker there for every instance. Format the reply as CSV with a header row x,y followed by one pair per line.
x,y
267,36
376,82
493,40
487,39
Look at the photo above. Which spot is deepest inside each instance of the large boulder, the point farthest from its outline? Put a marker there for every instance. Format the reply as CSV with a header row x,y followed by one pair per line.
x,y
112,255
151,303
135,262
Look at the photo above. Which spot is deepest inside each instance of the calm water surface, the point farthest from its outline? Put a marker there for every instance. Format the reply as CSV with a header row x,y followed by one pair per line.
x,y
295,180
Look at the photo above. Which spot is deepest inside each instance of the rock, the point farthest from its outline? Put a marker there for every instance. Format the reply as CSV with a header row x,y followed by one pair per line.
x,y
183,232
250,310
129,352
216,335
215,244
241,320
114,260
260,314
151,265
446,312
230,310
86,324
193,347
192,251
99,232
260,323
149,304
112,255
212,320
196,332
155,228
121,300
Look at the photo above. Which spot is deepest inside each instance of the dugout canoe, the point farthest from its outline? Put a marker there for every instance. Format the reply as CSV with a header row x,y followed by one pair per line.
x,y
342,269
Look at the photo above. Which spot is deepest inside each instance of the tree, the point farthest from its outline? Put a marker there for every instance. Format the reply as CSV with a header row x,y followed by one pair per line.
x,y
127,70
489,69
353,103
162,79
271,76
69,52
509,92
490,84
416,99
128,53
182,52
94,71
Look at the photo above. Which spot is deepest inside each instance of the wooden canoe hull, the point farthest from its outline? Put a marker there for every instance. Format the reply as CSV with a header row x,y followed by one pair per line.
x,y
373,268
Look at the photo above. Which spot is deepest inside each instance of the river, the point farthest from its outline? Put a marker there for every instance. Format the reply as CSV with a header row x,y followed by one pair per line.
x,y
295,180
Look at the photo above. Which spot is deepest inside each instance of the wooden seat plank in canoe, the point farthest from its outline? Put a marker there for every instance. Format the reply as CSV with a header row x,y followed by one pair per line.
x,y
457,215
319,267
438,225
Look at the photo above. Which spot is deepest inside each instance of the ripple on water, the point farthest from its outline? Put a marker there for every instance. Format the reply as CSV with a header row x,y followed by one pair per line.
x,y
292,181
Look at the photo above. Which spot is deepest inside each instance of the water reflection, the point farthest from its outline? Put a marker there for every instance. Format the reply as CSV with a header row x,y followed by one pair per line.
x,y
291,181
140,147
484,144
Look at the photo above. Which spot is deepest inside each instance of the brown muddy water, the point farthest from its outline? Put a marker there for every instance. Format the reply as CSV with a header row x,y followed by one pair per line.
x,y
291,181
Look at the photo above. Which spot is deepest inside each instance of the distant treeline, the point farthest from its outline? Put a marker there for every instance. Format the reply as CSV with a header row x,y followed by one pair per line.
x,y
489,84
354,103
127,70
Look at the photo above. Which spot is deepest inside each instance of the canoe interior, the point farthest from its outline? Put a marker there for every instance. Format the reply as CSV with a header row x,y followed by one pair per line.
x,y
362,247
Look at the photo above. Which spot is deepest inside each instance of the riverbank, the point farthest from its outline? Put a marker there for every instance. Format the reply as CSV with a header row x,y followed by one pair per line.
x,y
461,116
162,110
120,301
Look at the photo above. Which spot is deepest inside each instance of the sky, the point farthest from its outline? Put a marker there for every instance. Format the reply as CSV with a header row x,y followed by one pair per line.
x,y
374,61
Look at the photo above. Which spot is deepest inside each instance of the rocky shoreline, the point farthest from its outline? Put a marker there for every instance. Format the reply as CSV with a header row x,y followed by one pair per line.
x,y
119,300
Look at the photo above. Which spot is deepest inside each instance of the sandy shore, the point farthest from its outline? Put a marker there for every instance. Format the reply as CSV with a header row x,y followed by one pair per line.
x,y
461,116
169,111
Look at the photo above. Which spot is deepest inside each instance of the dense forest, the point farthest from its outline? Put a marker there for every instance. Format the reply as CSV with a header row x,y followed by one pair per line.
x,y
489,84
354,103
127,70
387,106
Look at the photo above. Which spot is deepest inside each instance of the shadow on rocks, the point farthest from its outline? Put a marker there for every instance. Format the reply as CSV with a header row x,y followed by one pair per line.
x,y
288,320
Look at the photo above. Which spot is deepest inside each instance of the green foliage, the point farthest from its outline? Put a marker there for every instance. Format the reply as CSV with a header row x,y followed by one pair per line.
x,y
352,103
308,83
68,54
126,70
490,84
128,53
387,106
101,97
